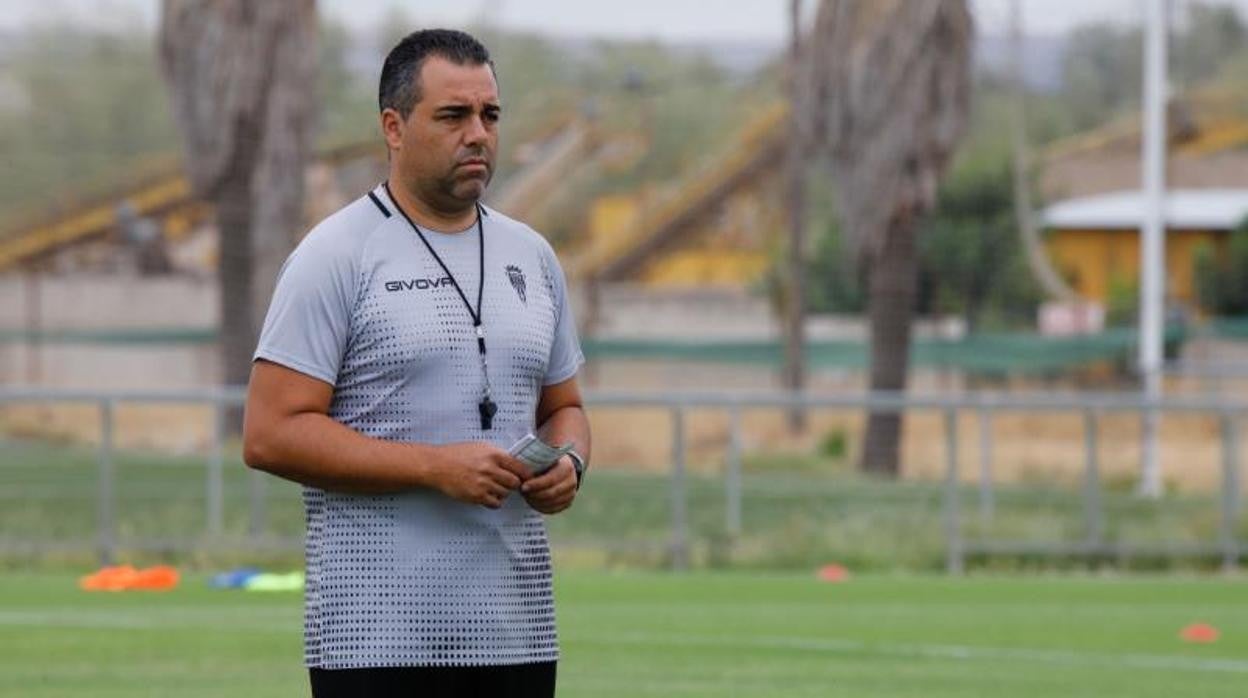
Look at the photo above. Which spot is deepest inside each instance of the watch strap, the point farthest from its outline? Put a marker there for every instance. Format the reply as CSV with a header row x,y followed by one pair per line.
x,y
579,465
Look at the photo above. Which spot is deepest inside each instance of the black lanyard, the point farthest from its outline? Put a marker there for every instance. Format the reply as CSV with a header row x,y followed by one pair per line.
x,y
486,408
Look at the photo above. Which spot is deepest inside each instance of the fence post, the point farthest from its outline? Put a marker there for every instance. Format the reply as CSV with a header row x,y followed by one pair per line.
x,y
987,499
954,555
1230,491
215,498
680,522
1092,514
732,483
106,505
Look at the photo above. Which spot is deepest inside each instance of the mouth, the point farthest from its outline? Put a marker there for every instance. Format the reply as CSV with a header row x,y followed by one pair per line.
x,y
473,169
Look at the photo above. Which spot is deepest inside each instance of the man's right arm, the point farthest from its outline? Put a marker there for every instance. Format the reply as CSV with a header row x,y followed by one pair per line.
x,y
287,431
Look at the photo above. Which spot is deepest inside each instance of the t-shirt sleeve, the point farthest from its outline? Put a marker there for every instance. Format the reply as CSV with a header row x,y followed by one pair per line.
x,y
309,318
565,352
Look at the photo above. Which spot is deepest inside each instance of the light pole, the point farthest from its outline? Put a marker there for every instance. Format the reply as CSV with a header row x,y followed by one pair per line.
x,y
1152,238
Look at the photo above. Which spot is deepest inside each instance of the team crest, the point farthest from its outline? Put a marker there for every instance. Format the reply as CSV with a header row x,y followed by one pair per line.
x,y
517,281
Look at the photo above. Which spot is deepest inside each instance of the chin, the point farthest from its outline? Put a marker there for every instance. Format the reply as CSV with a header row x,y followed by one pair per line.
x,y
470,191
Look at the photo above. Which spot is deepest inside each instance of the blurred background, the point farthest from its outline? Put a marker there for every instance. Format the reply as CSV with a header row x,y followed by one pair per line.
x,y
917,334
763,209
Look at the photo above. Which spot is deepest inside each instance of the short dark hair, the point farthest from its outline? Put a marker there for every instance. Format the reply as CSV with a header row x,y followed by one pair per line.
x,y
400,76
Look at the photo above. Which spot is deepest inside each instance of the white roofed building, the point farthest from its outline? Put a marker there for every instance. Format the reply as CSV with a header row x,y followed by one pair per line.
x,y
1094,240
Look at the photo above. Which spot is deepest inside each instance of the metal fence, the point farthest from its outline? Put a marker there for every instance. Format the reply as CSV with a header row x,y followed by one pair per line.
x,y
957,545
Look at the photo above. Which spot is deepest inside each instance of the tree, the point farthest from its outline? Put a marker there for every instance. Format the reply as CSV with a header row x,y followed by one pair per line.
x,y
1212,35
835,286
890,85
348,106
1221,275
241,75
75,105
1101,72
1037,258
970,259
795,174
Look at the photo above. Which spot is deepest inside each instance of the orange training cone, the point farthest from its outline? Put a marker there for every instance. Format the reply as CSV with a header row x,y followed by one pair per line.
x,y
158,578
1200,633
116,578
126,578
833,573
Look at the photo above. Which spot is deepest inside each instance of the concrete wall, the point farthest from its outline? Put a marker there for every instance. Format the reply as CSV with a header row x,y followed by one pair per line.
x,y
630,311
118,303
82,302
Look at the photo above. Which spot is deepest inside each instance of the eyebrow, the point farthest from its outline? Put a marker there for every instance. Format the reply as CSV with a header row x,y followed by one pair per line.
x,y
464,108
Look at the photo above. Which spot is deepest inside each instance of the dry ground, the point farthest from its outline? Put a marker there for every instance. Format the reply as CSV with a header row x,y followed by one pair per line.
x,y
1028,447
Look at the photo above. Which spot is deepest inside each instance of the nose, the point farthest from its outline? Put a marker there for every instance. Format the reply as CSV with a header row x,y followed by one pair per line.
x,y
475,133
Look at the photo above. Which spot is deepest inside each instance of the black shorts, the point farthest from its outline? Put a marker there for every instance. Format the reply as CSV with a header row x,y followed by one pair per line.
x,y
515,681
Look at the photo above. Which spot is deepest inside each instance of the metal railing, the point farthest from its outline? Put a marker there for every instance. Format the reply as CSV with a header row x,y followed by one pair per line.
x,y
1092,406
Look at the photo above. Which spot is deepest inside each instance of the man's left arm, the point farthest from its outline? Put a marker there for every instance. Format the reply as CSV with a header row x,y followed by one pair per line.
x,y
561,419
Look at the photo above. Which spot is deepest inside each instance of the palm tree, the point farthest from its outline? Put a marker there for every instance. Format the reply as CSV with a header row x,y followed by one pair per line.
x,y
240,73
793,291
1037,259
890,91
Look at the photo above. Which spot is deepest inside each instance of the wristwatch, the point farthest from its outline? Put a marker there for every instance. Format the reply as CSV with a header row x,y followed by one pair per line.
x,y
578,464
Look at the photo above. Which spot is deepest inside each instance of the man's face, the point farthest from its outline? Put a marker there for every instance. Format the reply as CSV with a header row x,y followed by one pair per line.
x,y
448,141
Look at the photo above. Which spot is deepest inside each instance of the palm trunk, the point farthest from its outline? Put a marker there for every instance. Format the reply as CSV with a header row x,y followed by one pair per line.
x,y
794,376
1037,259
890,85
242,74
893,285
234,276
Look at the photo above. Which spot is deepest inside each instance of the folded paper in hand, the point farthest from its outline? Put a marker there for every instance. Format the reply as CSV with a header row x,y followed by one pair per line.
x,y
536,454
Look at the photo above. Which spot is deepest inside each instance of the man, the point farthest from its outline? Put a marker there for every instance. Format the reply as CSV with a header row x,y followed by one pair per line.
x,y
412,338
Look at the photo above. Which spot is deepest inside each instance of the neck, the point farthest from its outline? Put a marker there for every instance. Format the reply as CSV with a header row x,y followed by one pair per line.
x,y
428,216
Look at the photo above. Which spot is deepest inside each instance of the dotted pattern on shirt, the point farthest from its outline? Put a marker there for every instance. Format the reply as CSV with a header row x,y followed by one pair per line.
x,y
417,579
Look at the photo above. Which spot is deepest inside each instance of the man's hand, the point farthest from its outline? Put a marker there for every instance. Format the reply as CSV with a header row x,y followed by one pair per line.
x,y
479,473
552,491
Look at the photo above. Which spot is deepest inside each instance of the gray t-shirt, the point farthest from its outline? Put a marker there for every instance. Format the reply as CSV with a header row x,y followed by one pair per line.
x,y
417,578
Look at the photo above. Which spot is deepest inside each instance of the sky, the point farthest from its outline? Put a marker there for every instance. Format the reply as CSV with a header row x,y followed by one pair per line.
x,y
674,20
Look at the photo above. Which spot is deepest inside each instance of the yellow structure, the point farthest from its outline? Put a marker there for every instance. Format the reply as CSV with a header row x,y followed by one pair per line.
x,y
1094,261
728,250
710,229
612,219
164,195
706,267
1095,243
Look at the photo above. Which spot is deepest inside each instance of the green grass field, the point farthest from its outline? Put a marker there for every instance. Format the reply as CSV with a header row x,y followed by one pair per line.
x,y
701,634
627,631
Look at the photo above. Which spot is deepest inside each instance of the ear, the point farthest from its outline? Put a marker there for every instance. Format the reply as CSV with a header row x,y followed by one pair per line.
x,y
392,128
